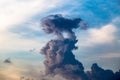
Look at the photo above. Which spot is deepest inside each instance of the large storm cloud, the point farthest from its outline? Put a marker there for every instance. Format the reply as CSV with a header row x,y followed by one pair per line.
x,y
58,53
59,58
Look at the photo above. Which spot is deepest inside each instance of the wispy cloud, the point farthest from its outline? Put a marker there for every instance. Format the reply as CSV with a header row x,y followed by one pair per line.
x,y
16,13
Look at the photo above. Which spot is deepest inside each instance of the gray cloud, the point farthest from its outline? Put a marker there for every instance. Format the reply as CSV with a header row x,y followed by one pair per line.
x,y
58,24
7,61
59,58
97,73
101,45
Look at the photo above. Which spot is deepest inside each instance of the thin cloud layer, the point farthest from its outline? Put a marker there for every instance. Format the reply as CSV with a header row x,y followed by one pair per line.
x,y
14,13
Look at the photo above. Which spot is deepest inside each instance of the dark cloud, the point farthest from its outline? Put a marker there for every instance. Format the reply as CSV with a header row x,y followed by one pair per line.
x,y
95,12
97,73
58,53
59,58
117,75
32,50
7,60
58,24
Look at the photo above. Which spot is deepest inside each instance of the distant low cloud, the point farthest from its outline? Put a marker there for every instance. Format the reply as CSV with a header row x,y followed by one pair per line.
x,y
7,61
98,73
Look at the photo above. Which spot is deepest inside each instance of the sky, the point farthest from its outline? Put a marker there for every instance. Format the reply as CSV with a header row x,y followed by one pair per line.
x,y
21,36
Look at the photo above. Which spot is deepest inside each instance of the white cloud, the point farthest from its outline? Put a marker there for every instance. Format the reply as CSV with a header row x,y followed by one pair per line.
x,y
100,45
11,42
103,35
15,12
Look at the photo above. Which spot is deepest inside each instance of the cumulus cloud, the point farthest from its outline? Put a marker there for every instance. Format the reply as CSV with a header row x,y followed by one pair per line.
x,y
98,73
104,40
103,35
101,45
59,59
96,36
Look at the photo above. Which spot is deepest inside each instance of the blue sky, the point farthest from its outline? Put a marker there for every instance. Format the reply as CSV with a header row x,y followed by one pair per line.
x,y
20,31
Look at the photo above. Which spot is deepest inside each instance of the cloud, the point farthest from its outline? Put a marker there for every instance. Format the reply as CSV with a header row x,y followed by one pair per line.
x,y
102,40
59,58
21,69
109,55
101,45
96,13
15,12
7,61
9,40
10,72
97,73
103,35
